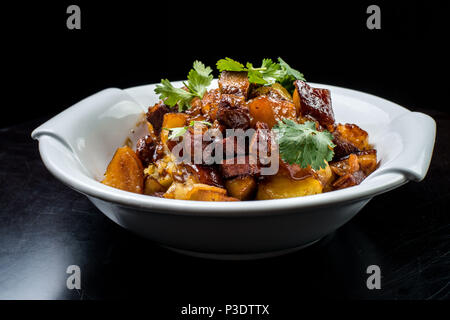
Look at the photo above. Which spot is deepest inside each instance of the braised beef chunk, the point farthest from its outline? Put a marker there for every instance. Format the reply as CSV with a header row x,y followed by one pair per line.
x,y
233,117
315,102
231,147
263,143
145,150
343,147
349,180
353,169
234,82
239,166
232,100
206,174
193,143
155,116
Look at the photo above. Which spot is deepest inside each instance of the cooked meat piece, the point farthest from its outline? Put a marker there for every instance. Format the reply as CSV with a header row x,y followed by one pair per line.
x,y
196,108
210,103
232,100
343,147
233,117
192,143
206,174
349,138
263,143
234,82
367,163
295,172
231,147
349,170
349,180
239,166
145,150
155,116
315,102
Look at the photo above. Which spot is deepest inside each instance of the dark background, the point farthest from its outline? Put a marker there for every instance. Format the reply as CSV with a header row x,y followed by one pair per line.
x,y
49,68
45,226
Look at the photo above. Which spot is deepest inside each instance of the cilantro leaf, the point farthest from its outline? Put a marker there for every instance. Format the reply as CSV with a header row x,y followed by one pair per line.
x,y
290,75
174,95
269,72
180,131
176,132
199,78
229,64
303,144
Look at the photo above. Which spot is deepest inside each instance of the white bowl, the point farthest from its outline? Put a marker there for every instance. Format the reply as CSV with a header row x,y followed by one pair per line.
x,y
77,145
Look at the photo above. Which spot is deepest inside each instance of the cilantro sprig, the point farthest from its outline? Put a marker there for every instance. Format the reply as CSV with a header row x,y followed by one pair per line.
x,y
303,144
268,73
180,131
199,78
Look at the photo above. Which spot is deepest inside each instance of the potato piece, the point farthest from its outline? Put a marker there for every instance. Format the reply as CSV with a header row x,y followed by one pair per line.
x,y
325,176
281,186
197,191
297,102
367,161
172,120
353,134
204,195
204,174
178,190
151,186
242,188
201,193
125,171
270,110
276,91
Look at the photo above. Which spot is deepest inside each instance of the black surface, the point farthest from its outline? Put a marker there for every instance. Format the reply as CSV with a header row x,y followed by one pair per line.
x,y
45,226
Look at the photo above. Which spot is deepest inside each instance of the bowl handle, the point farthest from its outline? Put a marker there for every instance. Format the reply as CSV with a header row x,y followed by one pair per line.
x,y
414,129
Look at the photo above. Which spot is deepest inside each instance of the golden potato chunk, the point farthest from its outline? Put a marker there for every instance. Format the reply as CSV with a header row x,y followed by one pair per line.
x,y
197,191
242,188
125,171
152,186
353,134
172,120
269,110
281,186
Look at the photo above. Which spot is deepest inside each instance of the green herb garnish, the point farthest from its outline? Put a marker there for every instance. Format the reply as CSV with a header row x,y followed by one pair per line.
x,y
199,78
180,131
269,72
303,144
